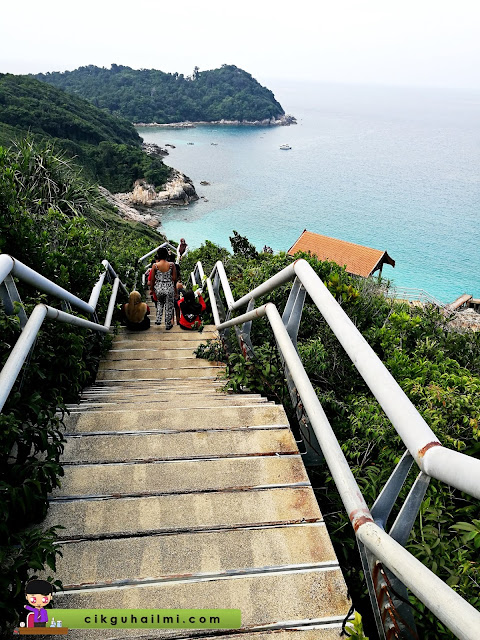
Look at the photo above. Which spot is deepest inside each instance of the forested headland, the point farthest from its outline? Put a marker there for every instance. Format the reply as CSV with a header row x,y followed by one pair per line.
x,y
107,147
149,95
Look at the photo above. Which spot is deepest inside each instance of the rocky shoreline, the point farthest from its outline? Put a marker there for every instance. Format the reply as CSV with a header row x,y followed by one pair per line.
x,y
283,121
135,205
466,320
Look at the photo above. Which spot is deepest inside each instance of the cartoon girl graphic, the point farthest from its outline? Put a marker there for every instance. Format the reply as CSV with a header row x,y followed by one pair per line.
x,y
38,594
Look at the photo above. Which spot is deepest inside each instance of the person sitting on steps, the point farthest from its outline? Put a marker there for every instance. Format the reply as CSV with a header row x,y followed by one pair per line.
x,y
191,311
135,313
162,284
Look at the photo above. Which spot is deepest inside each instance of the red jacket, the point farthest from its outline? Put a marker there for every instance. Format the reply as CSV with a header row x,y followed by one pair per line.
x,y
190,323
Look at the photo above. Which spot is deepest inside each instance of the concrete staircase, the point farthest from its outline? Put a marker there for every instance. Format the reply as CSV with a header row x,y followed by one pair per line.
x,y
178,496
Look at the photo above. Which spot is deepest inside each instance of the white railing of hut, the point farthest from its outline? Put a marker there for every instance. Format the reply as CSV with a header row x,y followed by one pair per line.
x,y
422,446
411,294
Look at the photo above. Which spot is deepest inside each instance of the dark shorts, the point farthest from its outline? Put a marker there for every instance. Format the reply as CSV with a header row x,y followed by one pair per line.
x,y
139,326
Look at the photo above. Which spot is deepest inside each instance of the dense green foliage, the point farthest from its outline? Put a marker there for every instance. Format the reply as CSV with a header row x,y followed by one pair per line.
x,y
148,95
437,367
54,222
107,147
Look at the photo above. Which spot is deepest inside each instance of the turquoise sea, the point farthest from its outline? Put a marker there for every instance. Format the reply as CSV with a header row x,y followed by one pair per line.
x,y
391,168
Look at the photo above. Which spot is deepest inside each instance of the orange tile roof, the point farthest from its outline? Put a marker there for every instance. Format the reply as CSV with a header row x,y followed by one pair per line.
x,y
357,259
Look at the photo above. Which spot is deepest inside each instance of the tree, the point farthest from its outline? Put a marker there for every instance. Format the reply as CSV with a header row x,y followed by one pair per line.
x,y
242,247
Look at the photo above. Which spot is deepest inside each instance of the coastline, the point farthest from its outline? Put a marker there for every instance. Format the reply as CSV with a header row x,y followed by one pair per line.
x,y
143,204
284,121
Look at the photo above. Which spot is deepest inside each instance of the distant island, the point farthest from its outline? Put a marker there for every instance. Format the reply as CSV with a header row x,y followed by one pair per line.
x,y
227,95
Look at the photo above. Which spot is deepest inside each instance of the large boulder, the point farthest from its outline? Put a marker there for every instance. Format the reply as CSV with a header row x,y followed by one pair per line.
x,y
179,190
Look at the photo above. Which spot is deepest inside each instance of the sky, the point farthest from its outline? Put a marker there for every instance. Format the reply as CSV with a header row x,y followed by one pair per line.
x,y
431,43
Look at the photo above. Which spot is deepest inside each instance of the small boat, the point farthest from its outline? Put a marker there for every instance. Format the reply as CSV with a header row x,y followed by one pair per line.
x,y
285,147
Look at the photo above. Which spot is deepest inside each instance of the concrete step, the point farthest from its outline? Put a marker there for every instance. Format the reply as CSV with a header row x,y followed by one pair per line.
x,y
140,393
117,401
182,512
153,402
158,362
210,328
159,345
157,386
296,597
180,385
149,354
160,373
180,419
94,562
160,335
171,446
184,476
329,630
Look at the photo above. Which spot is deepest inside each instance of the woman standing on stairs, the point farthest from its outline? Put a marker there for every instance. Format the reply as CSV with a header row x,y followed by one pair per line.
x,y
162,284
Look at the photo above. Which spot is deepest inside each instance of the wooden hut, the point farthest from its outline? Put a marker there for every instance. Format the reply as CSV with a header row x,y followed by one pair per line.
x,y
357,259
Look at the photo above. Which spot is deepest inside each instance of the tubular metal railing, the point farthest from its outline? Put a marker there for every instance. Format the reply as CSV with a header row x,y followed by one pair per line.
x,y
11,268
416,295
389,568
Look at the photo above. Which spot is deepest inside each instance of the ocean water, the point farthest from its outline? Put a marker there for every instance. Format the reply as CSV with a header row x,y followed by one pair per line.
x,y
392,168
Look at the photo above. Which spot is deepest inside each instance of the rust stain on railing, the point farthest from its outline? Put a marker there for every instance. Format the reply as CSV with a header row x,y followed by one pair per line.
x,y
423,450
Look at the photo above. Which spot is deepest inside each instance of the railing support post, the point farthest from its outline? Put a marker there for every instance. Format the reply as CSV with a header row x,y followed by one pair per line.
x,y
11,291
111,304
292,314
243,334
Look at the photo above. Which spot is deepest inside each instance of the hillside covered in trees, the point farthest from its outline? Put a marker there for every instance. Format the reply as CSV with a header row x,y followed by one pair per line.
x,y
107,147
149,95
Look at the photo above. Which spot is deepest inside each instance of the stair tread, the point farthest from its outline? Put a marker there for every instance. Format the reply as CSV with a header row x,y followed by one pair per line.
x,y
181,476
215,552
182,419
170,446
265,599
189,511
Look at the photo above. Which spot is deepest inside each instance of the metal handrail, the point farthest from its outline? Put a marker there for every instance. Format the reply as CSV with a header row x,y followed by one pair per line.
x,y
434,460
160,246
413,295
11,267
